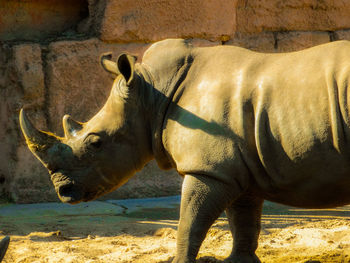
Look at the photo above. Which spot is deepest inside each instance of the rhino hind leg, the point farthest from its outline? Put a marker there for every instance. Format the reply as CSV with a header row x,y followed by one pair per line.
x,y
244,217
203,200
4,243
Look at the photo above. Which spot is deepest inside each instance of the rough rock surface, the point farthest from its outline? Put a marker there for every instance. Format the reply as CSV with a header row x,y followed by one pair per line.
x,y
144,20
342,35
263,42
21,83
291,15
30,73
293,41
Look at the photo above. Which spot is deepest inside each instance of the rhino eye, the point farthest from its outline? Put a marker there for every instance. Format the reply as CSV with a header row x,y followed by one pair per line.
x,y
97,144
94,142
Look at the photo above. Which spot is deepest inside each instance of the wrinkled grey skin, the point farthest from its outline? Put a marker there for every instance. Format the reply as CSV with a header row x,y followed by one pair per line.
x,y
4,243
240,126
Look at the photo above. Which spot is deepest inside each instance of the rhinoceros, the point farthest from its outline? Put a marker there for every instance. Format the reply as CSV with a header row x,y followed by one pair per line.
x,y
240,126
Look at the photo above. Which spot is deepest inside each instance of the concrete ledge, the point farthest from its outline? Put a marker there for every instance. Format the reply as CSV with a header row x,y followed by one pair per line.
x,y
100,208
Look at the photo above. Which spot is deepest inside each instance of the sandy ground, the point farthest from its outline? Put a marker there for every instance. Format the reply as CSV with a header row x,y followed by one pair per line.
x,y
122,232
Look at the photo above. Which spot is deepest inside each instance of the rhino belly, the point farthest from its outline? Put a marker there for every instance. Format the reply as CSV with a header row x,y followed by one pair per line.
x,y
306,196
316,182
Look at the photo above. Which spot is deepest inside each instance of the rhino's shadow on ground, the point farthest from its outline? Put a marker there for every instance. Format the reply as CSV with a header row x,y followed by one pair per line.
x,y
214,260
200,260
145,222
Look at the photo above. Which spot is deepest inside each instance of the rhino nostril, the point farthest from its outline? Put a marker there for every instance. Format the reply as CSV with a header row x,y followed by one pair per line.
x,y
65,190
70,193
52,169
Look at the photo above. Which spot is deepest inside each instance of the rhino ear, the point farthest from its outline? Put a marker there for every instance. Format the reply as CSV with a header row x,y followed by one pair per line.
x,y
109,65
126,65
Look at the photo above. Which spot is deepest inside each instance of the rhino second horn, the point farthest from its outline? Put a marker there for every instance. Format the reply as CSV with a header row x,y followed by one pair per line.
x,y
70,126
37,141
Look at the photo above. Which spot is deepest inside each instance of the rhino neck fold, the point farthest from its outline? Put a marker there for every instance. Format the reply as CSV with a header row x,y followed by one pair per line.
x,y
162,92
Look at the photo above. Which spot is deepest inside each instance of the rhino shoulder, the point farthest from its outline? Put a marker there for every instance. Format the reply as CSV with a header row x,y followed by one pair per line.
x,y
167,54
162,47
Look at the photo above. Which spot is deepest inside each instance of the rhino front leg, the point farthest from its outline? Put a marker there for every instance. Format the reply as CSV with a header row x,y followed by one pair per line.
x,y
244,217
4,243
203,200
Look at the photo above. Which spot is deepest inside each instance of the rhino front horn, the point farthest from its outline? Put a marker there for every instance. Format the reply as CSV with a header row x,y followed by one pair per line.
x,y
37,141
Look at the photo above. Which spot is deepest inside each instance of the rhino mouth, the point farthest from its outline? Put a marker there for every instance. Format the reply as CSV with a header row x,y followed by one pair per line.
x,y
67,190
70,191
72,194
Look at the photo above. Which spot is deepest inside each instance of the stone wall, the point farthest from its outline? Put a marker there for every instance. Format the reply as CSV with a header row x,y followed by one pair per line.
x,y
49,63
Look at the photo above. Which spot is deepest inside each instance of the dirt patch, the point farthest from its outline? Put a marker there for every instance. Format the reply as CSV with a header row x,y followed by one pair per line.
x,y
149,235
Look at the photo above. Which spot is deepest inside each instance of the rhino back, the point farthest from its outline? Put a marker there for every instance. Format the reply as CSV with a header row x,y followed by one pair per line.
x,y
276,121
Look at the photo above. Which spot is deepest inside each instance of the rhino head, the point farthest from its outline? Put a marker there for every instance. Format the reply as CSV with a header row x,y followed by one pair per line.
x,y
98,156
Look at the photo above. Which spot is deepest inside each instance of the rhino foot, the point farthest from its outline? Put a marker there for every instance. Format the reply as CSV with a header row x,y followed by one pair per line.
x,y
4,243
240,258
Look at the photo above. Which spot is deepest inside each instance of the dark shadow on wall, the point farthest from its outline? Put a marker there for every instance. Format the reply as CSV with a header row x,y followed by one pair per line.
x,y
40,20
